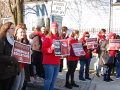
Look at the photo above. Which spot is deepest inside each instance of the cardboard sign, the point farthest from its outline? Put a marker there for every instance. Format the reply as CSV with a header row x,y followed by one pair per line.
x,y
61,47
22,52
92,43
114,44
78,49
58,8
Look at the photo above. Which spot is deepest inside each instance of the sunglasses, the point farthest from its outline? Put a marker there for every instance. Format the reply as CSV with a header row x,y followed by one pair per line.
x,y
86,36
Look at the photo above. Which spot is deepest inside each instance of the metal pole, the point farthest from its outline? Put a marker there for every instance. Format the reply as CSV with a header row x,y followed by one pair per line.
x,y
110,18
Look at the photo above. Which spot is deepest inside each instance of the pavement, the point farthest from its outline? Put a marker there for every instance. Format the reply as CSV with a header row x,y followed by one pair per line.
x,y
96,83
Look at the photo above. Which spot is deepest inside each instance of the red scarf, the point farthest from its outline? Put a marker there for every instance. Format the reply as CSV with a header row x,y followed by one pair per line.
x,y
37,33
101,37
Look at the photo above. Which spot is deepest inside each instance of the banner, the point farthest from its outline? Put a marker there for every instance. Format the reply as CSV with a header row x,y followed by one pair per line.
x,y
22,52
92,43
114,44
61,47
78,49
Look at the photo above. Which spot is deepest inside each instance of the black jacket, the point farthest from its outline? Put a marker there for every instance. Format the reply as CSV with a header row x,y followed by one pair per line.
x,y
9,65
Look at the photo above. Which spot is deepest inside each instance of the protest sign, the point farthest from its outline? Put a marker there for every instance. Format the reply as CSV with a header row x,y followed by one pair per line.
x,y
61,47
58,8
114,44
92,43
78,49
22,52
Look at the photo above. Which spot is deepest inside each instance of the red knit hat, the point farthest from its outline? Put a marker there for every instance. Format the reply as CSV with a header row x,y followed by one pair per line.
x,y
54,24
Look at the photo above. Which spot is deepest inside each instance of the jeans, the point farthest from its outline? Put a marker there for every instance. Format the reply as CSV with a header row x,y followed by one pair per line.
x,y
107,72
19,80
118,70
97,68
71,69
82,63
51,73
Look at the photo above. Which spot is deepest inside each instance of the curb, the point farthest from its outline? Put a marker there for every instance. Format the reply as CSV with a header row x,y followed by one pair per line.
x,y
40,86
92,86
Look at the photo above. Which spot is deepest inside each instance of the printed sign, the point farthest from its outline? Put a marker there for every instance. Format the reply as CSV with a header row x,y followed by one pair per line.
x,y
58,8
114,44
92,43
61,47
22,52
78,49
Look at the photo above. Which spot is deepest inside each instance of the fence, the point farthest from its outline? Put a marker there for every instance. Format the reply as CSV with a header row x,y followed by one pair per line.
x,y
96,30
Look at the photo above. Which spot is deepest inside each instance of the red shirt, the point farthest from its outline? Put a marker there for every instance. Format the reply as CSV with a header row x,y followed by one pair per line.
x,y
70,57
22,65
48,53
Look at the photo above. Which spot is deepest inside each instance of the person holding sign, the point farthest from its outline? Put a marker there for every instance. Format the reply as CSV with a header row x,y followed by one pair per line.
x,y
51,63
20,36
107,68
86,59
9,66
72,60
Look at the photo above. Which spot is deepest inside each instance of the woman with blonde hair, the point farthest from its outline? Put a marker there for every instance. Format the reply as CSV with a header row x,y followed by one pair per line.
x,y
51,63
72,60
9,67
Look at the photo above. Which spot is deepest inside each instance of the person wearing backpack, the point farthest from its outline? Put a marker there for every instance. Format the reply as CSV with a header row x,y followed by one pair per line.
x,y
36,49
9,66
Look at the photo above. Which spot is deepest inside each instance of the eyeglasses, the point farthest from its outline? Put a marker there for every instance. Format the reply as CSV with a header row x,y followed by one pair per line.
x,y
86,36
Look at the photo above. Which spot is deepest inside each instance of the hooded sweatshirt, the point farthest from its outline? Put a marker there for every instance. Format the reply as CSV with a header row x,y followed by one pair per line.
x,y
87,51
49,55
112,52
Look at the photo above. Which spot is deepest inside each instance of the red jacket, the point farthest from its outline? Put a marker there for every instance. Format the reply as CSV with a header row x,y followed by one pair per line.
x,y
70,57
42,37
87,51
112,52
48,53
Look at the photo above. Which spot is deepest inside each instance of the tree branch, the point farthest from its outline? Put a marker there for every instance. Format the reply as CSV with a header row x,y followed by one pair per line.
x,y
9,5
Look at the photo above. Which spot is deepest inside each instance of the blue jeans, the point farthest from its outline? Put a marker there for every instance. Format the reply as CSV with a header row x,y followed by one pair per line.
x,y
51,73
118,70
107,72
82,63
97,68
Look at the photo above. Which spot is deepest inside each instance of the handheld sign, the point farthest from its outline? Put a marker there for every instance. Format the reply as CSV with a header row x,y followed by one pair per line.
x,y
22,52
78,49
114,44
92,43
61,47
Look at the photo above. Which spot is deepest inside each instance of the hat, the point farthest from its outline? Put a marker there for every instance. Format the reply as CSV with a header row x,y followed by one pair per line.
x,y
54,24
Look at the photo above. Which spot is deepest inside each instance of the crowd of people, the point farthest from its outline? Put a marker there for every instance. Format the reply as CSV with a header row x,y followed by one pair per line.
x,y
45,64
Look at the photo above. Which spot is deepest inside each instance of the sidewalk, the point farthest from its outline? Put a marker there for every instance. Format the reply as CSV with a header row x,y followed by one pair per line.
x,y
60,83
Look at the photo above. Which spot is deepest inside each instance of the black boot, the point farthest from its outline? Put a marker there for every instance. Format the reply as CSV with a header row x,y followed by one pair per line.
x,y
67,85
74,85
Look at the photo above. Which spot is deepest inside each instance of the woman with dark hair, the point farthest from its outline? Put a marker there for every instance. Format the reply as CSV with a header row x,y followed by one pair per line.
x,y
9,66
100,38
51,63
72,60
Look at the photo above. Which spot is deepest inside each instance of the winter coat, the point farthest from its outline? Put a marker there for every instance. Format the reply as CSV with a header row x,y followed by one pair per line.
x,y
9,65
104,47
